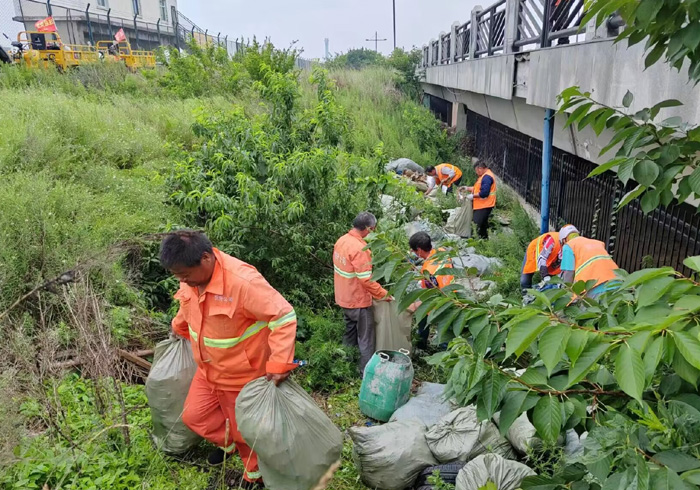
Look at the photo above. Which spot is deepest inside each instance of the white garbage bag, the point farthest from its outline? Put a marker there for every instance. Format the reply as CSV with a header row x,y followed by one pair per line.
x,y
391,456
428,406
506,474
295,441
454,436
521,434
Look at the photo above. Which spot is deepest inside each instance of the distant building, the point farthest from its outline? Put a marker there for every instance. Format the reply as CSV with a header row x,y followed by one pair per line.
x,y
146,23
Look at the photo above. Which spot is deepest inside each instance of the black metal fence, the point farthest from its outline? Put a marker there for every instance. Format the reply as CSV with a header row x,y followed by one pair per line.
x,y
664,237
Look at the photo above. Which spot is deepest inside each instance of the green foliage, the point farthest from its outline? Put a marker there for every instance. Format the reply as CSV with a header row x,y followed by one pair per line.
x,y
406,63
437,482
331,365
356,59
202,71
424,128
99,458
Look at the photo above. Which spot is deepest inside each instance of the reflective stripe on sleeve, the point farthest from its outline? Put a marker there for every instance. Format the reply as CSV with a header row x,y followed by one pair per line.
x,y
288,318
193,334
364,275
342,273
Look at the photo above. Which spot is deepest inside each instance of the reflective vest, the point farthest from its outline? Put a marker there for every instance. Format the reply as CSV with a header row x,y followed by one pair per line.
x,y
490,200
240,327
352,277
433,265
534,249
592,260
444,179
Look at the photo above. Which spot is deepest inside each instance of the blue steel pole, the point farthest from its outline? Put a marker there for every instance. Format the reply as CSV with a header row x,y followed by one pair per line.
x,y
546,167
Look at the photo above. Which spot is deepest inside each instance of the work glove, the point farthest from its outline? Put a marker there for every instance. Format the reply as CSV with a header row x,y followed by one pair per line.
x,y
470,197
444,189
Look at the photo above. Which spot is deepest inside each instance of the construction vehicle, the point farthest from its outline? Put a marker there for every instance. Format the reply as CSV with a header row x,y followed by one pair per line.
x,y
46,50
122,52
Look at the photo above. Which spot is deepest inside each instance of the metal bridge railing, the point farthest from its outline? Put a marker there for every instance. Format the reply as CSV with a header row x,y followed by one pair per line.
x,y
509,26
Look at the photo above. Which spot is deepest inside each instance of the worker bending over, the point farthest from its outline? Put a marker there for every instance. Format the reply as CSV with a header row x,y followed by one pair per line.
x,y
543,254
483,195
422,246
354,288
446,175
240,328
584,259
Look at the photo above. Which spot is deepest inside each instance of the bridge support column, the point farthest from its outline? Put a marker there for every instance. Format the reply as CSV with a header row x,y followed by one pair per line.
x,y
474,39
547,143
459,116
511,28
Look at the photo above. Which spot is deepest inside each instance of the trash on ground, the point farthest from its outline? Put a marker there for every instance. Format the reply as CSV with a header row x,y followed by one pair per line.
x,y
403,164
521,434
386,384
460,220
454,436
428,406
504,473
295,441
166,389
491,441
574,444
481,263
436,233
391,456
476,288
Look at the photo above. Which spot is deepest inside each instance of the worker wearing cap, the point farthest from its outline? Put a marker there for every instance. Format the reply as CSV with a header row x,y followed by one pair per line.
x,y
446,175
422,246
240,328
543,254
585,259
354,287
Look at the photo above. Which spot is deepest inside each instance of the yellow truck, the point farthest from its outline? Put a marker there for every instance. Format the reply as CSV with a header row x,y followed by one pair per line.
x,y
122,52
46,50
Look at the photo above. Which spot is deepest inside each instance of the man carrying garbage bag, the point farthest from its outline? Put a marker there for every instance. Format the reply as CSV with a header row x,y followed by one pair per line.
x,y
240,329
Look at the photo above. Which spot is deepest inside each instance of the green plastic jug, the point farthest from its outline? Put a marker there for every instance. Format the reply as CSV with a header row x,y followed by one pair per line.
x,y
386,384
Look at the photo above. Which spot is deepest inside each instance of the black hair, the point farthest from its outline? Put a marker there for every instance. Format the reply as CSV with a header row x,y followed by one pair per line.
x,y
481,164
420,240
364,220
184,248
429,169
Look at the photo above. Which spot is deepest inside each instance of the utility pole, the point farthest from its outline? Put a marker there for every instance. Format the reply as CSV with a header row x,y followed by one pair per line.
x,y
375,41
393,2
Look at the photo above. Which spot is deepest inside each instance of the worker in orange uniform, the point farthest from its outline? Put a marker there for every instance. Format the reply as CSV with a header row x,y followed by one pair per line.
x,y
421,244
543,254
483,195
585,259
446,175
240,329
354,288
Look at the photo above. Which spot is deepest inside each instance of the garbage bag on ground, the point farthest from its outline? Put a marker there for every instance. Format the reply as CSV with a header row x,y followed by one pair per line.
x,y
476,288
521,434
479,262
166,389
403,164
391,456
295,441
428,406
391,207
460,221
491,441
435,232
454,436
506,474
392,329
574,444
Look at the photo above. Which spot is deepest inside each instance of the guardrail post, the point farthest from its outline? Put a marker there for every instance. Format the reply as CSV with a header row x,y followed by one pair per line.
x,y
87,18
160,43
474,38
431,53
109,22
192,33
218,39
206,37
439,60
453,42
544,39
512,23
226,44
136,30
49,10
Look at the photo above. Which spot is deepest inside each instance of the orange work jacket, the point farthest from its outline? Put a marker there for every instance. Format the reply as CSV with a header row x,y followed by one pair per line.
x,y
431,265
490,200
533,253
352,266
241,328
444,179
592,260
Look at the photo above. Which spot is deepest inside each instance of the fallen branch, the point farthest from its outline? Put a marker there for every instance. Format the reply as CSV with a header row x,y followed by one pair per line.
x,y
134,357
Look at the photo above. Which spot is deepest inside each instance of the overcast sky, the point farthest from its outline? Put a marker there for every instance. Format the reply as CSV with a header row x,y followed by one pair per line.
x,y
347,23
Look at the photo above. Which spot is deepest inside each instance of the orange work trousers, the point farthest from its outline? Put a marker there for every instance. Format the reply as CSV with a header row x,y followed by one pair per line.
x,y
211,413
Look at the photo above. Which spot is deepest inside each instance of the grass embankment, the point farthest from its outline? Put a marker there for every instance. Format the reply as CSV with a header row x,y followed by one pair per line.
x,y
88,163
